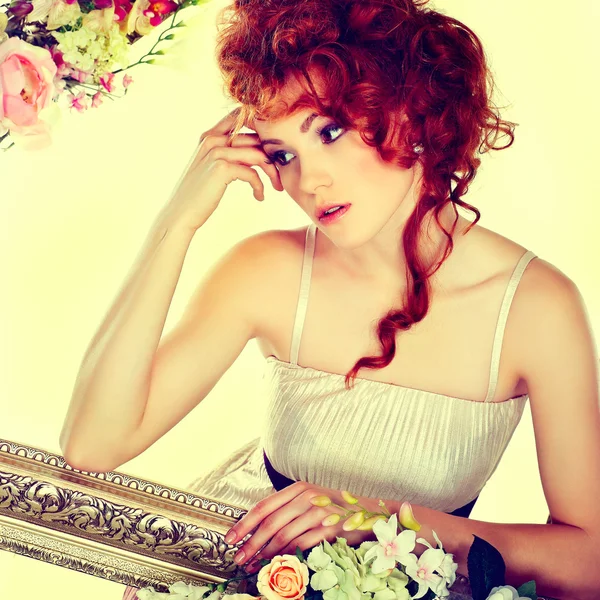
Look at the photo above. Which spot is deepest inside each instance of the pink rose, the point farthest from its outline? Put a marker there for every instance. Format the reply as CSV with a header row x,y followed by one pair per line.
x,y
26,89
284,578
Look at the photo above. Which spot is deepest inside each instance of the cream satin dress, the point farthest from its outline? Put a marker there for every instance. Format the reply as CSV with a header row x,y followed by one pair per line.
x,y
378,439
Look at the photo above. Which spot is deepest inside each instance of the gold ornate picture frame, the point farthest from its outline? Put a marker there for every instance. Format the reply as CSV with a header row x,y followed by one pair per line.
x,y
111,525
116,526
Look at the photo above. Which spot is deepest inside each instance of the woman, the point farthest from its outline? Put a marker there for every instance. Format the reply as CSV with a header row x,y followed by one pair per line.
x,y
382,324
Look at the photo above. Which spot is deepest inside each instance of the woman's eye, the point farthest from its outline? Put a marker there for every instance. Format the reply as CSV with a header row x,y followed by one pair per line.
x,y
328,129
278,157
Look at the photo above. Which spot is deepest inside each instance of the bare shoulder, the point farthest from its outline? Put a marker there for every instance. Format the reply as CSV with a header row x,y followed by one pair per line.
x,y
549,313
268,264
494,256
272,250
546,309
543,285
558,361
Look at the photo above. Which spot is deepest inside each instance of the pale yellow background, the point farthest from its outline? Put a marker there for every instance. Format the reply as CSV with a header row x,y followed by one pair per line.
x,y
75,215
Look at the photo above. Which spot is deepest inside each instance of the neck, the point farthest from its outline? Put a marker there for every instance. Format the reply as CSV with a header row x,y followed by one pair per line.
x,y
381,261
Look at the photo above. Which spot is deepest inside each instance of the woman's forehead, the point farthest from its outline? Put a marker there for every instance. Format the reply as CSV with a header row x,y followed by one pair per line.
x,y
294,87
300,121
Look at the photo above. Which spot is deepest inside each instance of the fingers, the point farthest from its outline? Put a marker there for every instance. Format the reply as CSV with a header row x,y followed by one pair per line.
x,y
224,126
217,136
232,171
279,527
244,150
307,521
307,540
262,509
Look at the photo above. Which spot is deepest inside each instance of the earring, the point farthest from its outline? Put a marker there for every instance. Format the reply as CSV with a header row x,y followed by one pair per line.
x,y
418,148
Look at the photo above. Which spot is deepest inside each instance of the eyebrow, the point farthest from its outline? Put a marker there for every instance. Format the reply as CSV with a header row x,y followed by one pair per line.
x,y
303,129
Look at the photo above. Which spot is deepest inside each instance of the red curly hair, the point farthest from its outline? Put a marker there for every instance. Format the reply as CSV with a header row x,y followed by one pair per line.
x,y
375,60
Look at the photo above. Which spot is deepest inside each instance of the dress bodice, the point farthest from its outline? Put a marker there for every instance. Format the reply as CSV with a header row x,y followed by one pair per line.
x,y
377,439
380,439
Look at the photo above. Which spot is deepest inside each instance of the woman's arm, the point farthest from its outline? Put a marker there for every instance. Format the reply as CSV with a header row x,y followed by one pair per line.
x,y
559,361
130,390
111,388
560,364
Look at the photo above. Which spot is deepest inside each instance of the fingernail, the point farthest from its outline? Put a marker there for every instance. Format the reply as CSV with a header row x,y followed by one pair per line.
x,y
239,557
230,537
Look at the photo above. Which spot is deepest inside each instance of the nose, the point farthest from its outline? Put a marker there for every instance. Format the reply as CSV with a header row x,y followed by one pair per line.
x,y
313,174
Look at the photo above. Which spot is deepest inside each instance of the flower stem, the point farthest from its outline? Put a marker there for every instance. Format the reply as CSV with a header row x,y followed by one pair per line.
x,y
160,39
368,514
228,581
97,89
2,138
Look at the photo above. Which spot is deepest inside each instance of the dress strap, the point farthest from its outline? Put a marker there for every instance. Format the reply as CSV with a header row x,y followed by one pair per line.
x,y
502,318
307,261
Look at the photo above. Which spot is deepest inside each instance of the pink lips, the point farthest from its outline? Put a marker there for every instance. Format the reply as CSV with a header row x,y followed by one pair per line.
x,y
323,209
335,215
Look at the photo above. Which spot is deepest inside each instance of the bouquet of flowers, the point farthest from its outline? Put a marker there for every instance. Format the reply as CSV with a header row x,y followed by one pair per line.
x,y
67,52
384,569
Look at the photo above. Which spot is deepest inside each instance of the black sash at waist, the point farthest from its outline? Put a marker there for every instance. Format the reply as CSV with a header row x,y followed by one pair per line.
x,y
280,481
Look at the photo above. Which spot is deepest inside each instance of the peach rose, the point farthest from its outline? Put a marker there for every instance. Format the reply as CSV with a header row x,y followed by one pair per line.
x,y
284,578
26,89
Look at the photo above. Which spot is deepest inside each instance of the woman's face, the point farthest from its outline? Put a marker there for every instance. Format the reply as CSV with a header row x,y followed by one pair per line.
x,y
320,164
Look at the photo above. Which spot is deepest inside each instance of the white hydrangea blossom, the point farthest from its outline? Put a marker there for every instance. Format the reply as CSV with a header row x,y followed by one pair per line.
x,y
505,592
89,51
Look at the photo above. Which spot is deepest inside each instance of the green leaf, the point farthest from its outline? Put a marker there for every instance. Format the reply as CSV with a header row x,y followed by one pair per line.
x,y
527,590
264,562
486,568
299,554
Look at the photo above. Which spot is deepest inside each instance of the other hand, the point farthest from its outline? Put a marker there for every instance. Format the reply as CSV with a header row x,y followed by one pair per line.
x,y
287,519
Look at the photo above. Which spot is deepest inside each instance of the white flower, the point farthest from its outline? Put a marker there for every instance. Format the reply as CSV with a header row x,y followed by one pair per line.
x,y
180,591
100,21
318,559
327,574
3,24
391,548
55,13
192,592
505,592
397,581
447,568
94,51
423,572
345,590
385,594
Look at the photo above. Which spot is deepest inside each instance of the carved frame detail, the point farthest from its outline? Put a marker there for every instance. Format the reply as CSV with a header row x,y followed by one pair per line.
x,y
111,525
